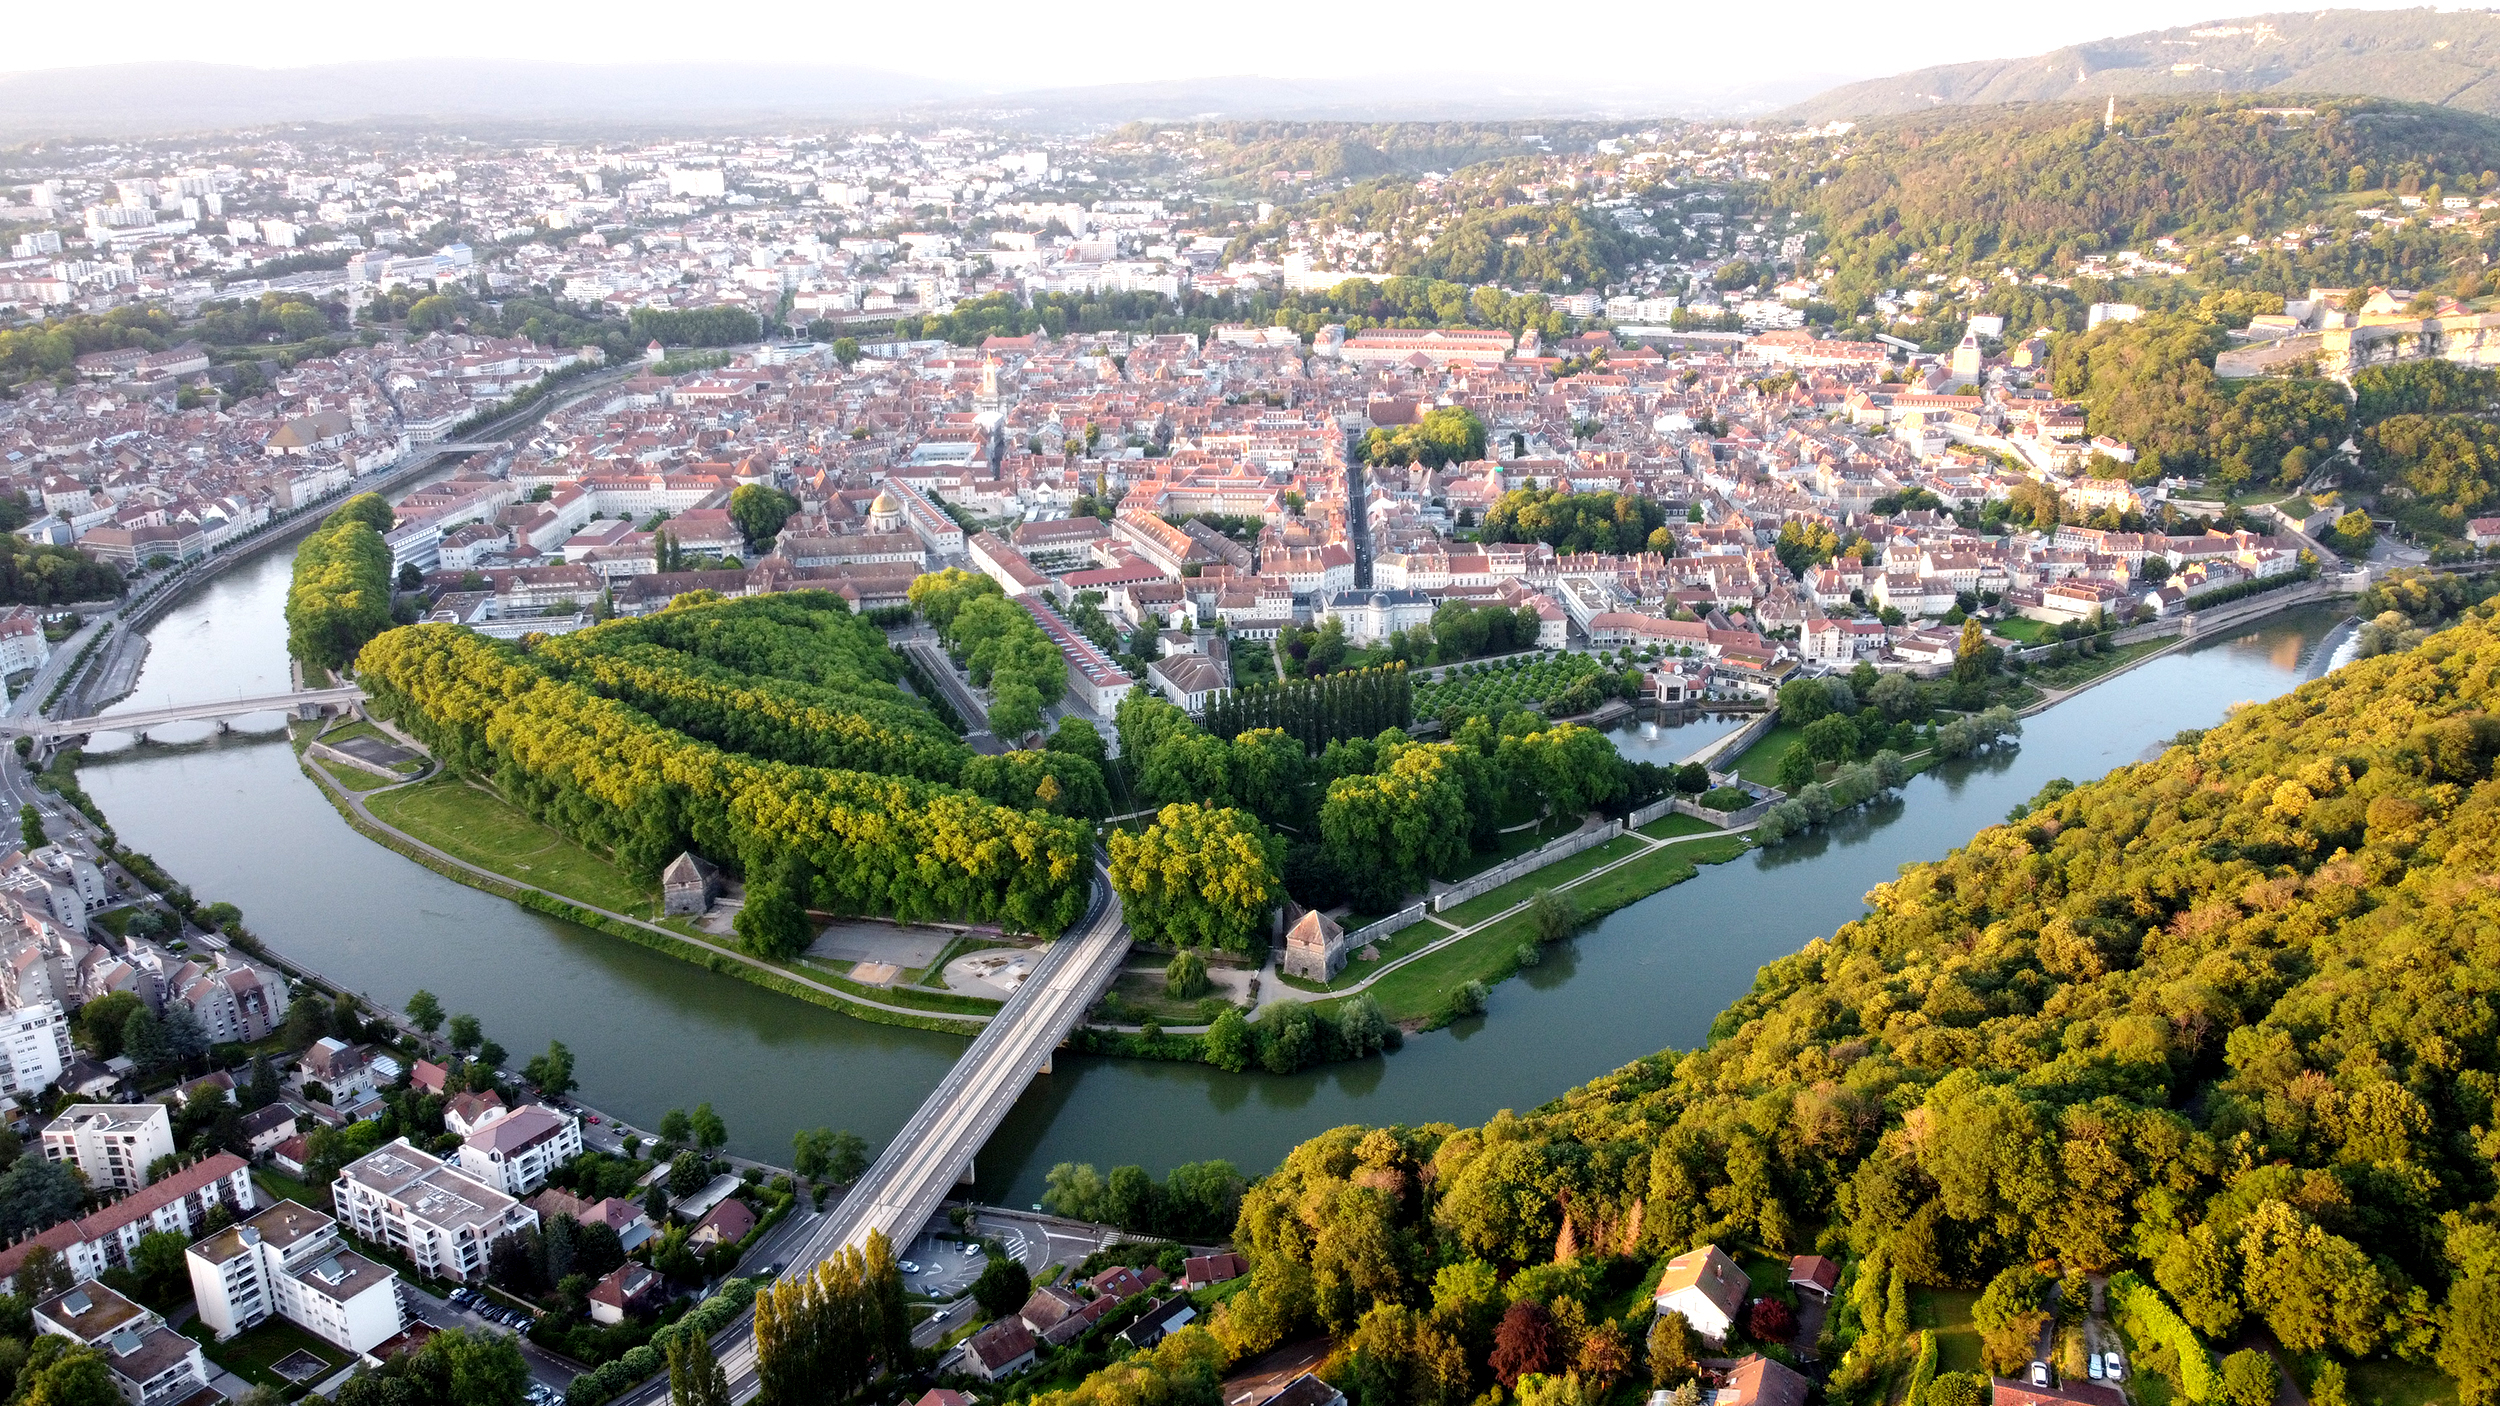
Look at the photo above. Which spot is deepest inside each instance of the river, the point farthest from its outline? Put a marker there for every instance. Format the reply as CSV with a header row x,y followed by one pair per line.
x,y
235,819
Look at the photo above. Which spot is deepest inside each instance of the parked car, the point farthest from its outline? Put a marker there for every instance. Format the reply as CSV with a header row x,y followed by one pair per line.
x,y
972,1251
2039,1374
909,1267
2111,1368
2092,1363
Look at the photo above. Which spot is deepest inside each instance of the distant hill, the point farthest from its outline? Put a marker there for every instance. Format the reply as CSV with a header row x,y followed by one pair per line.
x,y
165,99
2451,59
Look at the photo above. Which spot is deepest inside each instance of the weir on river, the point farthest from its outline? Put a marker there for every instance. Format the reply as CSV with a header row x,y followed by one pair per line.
x,y
235,819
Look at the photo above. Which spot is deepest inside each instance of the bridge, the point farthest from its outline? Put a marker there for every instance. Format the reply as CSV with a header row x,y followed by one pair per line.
x,y
934,1151
137,721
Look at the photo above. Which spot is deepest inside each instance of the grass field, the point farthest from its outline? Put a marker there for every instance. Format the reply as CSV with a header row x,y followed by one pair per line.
x,y
2078,671
359,728
1555,875
1957,1338
1637,880
248,1355
1416,991
1675,825
1761,762
2019,627
351,778
474,825
2398,1383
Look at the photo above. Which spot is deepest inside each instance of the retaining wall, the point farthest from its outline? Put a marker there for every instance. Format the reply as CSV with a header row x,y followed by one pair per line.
x,y
1399,921
1525,864
1735,743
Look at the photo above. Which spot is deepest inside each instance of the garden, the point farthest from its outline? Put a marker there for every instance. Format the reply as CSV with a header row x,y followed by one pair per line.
x,y
1525,681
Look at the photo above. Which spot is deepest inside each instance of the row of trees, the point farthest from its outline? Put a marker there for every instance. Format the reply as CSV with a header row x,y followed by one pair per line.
x,y
605,773
1316,712
1579,522
1002,647
823,1335
340,594
1196,1202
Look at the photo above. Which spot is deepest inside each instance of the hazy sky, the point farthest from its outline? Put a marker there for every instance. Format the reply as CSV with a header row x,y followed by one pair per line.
x,y
1037,44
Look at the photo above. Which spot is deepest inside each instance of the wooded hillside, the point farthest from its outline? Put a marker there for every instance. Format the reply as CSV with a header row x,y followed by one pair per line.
x,y
2229,1018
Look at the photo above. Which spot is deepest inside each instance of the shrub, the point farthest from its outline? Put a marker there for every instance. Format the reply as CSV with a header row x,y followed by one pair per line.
x,y
1725,798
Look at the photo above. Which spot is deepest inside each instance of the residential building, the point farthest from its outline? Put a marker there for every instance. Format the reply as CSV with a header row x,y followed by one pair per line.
x,y
627,1291
113,1143
345,1070
151,1364
518,1151
177,1204
34,1047
1000,1350
444,1221
22,645
1756,1380
1189,680
1707,1288
289,1262
1813,1274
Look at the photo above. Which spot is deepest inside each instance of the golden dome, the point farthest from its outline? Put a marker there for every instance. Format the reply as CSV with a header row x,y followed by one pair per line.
x,y
885,503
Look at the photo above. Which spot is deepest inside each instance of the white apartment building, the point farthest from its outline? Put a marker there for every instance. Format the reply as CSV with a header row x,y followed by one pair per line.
x,y
289,1262
441,1218
113,1143
179,1204
34,1047
151,1364
517,1151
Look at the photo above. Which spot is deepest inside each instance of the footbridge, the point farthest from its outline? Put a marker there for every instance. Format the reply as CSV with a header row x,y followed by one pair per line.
x,y
137,721
934,1151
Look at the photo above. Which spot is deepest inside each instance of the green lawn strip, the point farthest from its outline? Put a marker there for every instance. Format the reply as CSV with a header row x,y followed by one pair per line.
x,y
1651,872
917,999
358,728
474,825
1402,943
1761,762
718,962
1517,843
1555,875
282,1187
1675,825
1957,1338
2021,628
1421,988
351,778
2081,671
251,1355
2394,1382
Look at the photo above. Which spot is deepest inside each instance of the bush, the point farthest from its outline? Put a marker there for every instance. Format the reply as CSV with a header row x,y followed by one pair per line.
x,y
1725,798
2248,1378
2144,1315
1772,1321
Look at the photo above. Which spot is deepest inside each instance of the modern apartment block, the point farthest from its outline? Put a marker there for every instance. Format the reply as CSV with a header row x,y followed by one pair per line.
x,y
151,1364
517,1151
442,1219
34,1047
289,1262
179,1204
113,1143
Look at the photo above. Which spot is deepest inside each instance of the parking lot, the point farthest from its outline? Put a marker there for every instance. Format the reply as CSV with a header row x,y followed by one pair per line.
x,y
944,1270
479,1315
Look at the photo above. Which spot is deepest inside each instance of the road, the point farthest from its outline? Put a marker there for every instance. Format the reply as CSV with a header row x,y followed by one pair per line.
x,y
901,1191
959,695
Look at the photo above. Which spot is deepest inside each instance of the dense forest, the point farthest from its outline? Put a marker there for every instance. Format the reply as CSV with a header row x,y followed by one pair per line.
x,y
806,836
2227,1020
340,594
2036,188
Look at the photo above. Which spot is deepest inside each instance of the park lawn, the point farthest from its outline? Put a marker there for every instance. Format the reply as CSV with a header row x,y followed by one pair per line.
x,y
1761,762
1552,876
1515,844
1957,1338
282,1187
358,728
2393,1382
1675,825
2080,671
2020,627
1422,987
1618,888
475,825
351,778
249,1355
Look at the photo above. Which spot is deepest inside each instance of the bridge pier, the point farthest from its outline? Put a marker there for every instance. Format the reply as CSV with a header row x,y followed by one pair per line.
x,y
966,1179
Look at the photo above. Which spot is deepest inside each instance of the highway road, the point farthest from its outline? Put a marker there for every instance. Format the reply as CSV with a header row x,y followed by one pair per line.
x,y
899,1193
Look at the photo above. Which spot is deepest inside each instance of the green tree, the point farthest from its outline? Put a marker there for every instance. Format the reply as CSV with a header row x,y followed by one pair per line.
x,y
103,1021
1229,1045
2469,1339
710,1133
1198,876
695,1377
465,1033
676,1129
70,1374
759,510
1796,769
2248,1379
1003,1287
1185,976
30,827
425,1012
552,1072
2010,1315
1670,1350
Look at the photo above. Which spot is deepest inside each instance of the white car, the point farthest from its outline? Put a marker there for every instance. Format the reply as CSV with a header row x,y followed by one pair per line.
x,y
972,1252
909,1268
2092,1360
2111,1369
2039,1374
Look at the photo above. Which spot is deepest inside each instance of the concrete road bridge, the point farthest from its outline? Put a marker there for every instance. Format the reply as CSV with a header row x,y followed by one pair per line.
x,y
137,721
